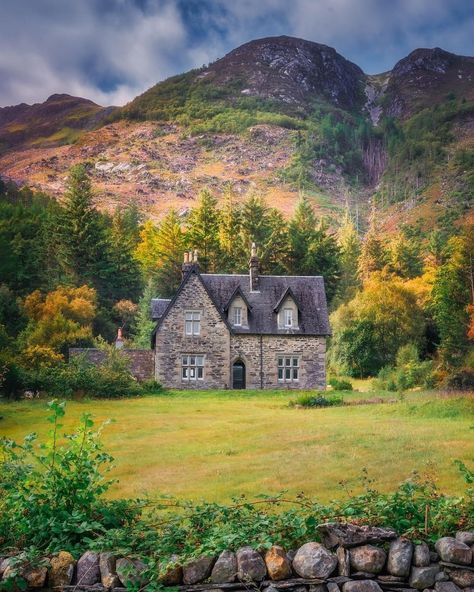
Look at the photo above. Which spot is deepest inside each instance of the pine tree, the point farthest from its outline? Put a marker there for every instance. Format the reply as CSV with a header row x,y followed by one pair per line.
x,y
405,259
373,256
312,249
230,246
350,249
160,253
81,232
301,233
125,280
144,325
203,231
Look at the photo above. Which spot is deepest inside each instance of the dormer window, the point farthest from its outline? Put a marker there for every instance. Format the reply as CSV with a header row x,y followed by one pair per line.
x,y
287,311
237,316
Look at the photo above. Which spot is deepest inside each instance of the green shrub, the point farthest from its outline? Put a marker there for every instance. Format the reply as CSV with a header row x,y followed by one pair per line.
x,y
408,373
51,494
340,385
317,400
462,379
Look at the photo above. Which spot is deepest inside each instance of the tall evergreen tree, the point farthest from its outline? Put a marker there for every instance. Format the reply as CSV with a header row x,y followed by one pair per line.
x,y
312,249
144,325
203,231
160,253
350,249
125,281
453,292
373,255
83,253
230,247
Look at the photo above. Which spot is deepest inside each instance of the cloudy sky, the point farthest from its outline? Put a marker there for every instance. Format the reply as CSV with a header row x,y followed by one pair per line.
x,y
111,50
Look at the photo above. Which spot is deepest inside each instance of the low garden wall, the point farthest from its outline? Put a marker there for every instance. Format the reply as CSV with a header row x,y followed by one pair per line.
x,y
142,364
349,558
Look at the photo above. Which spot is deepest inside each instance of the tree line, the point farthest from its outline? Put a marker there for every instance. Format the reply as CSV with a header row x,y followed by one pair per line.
x,y
70,273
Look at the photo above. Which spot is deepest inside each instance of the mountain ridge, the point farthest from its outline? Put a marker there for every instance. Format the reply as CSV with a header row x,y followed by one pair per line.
x,y
275,115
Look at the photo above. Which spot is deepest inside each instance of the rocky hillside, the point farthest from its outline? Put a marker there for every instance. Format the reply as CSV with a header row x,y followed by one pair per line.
x,y
275,115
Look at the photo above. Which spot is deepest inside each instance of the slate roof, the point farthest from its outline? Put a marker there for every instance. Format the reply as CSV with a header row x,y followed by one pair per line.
x,y
308,292
158,307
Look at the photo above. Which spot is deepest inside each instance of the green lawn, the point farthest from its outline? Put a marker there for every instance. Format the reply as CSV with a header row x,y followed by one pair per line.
x,y
221,444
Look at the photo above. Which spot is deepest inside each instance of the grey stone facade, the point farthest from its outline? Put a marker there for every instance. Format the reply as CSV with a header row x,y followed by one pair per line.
x,y
270,355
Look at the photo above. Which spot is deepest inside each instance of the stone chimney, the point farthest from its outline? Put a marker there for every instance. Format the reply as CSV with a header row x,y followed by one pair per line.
x,y
190,261
187,263
254,265
119,340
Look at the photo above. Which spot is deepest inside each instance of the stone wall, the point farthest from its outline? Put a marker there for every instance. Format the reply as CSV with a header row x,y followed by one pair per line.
x,y
260,355
349,558
141,360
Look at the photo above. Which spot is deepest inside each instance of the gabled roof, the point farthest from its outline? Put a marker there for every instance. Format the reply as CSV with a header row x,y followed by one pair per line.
x,y
284,296
192,271
237,292
307,291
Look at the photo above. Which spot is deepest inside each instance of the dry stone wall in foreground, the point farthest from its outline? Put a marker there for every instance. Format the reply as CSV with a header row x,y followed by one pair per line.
x,y
349,558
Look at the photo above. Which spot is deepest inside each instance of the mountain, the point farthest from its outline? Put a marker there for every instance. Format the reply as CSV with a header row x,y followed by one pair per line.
x,y
60,119
275,115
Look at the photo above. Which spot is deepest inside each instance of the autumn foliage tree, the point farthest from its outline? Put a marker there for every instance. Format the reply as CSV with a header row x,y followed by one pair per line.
x,y
369,330
60,319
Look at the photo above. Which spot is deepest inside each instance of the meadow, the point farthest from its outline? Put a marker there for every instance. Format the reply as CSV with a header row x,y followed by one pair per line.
x,y
220,444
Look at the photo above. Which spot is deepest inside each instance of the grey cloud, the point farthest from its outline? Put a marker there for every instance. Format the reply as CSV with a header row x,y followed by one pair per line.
x,y
111,50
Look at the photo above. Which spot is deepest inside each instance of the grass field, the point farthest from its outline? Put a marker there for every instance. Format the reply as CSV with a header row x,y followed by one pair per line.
x,y
216,445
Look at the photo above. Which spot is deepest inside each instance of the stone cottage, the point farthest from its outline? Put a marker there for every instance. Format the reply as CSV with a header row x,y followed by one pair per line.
x,y
237,331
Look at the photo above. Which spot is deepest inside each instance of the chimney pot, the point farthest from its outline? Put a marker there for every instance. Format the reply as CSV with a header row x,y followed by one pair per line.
x,y
254,265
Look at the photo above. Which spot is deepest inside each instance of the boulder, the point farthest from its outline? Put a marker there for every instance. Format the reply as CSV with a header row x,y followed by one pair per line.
x,y
130,572
351,535
173,576
446,587
278,566
108,572
317,588
33,576
421,555
88,570
434,557
250,565
343,561
441,577
466,537
333,587
367,558
225,568
198,570
453,551
388,578
62,570
464,578
399,558
423,577
361,586
312,560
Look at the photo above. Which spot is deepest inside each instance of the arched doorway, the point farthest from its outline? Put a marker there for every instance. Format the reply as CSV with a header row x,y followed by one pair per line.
x,y
238,375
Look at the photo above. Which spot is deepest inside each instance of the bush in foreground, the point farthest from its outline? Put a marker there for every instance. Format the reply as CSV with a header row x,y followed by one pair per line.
x,y
316,400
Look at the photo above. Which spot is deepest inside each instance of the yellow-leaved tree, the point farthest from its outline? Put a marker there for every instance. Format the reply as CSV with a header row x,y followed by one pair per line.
x,y
59,320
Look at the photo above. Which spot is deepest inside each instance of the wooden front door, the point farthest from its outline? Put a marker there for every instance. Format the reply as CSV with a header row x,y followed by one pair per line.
x,y
238,375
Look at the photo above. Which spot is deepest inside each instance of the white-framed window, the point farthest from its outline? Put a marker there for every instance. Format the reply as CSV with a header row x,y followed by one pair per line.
x,y
237,316
192,322
192,367
288,368
288,317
